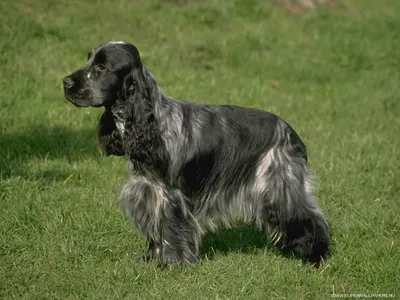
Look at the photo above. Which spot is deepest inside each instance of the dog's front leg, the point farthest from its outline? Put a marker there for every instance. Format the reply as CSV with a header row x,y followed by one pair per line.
x,y
153,253
180,235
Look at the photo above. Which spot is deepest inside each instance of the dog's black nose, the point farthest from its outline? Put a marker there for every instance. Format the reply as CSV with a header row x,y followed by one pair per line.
x,y
68,82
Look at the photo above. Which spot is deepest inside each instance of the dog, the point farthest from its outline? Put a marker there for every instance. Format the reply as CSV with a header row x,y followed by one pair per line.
x,y
194,168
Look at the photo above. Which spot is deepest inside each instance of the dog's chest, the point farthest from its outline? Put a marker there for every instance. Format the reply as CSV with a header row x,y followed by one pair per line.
x,y
120,126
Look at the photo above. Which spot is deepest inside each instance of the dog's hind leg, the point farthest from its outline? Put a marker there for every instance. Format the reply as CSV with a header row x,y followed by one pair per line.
x,y
290,213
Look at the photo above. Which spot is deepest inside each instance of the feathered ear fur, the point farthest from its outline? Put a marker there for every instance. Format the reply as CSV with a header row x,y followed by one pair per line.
x,y
142,139
141,84
128,88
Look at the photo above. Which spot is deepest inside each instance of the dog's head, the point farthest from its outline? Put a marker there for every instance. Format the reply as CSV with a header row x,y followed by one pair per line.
x,y
105,77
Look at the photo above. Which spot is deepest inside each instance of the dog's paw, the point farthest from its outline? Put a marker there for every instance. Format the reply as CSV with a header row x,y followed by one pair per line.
x,y
143,258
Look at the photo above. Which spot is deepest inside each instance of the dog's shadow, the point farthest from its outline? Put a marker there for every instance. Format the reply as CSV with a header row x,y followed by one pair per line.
x,y
243,239
246,239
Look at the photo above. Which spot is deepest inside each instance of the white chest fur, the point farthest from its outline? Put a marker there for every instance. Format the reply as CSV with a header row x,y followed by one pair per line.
x,y
120,127
119,120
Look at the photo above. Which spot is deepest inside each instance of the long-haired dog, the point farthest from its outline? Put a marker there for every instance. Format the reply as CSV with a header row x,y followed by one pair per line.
x,y
194,167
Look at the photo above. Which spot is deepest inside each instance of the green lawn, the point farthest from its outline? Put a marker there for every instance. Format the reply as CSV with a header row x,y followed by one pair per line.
x,y
333,75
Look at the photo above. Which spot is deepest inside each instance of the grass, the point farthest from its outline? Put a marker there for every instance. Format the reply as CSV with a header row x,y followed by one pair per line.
x,y
333,75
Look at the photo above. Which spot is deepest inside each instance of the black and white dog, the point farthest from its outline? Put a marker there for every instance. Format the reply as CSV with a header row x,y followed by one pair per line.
x,y
196,167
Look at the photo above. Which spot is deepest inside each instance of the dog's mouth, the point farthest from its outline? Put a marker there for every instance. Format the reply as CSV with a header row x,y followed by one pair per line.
x,y
76,102
79,100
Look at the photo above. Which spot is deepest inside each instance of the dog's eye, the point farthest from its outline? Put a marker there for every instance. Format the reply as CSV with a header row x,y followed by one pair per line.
x,y
100,68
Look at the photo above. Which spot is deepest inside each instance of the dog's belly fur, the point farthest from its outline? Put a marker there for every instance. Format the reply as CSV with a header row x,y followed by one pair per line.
x,y
149,198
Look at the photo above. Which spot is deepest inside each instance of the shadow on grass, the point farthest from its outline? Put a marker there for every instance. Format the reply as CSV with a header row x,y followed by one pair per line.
x,y
246,239
243,239
40,142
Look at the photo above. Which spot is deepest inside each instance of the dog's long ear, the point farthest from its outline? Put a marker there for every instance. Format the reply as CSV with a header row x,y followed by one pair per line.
x,y
144,143
128,88
140,84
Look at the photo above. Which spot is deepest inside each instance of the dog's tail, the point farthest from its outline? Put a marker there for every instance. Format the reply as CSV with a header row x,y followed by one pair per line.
x,y
293,218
